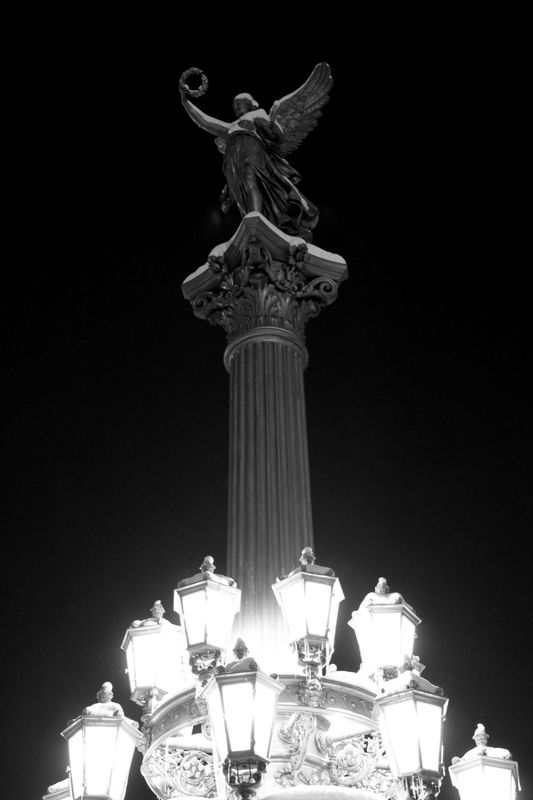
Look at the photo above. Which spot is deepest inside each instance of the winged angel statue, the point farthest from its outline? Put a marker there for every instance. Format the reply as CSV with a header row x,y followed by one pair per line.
x,y
254,146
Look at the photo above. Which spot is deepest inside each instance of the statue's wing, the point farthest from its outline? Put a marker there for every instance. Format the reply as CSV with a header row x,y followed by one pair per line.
x,y
298,112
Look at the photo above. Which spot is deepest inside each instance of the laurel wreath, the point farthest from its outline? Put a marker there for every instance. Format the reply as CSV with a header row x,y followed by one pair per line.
x,y
202,89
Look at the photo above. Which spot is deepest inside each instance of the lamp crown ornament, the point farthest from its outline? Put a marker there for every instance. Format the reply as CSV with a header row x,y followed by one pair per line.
x,y
481,737
208,565
104,707
307,557
157,610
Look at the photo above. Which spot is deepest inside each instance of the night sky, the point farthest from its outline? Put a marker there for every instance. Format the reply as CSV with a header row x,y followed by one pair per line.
x,y
418,402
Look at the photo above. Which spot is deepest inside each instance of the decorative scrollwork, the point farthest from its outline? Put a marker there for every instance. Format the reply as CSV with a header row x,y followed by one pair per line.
x,y
179,772
351,760
295,733
312,693
262,291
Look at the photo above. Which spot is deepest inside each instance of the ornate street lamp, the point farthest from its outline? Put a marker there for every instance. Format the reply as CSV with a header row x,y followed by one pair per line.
x,y
385,627
485,772
101,743
411,714
208,604
309,598
155,652
241,702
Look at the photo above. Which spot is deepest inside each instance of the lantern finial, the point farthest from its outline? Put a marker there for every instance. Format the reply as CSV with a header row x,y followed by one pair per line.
x,y
157,610
240,650
208,564
105,706
105,692
480,736
307,557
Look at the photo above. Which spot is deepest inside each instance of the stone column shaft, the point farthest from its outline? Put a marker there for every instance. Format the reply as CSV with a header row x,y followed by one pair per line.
x,y
269,519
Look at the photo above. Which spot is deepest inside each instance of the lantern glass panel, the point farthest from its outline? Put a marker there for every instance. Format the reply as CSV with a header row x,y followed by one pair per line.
x,y
429,734
470,784
337,598
170,673
265,706
499,784
99,755
121,765
238,702
385,639
220,611
317,607
216,716
488,781
130,660
194,614
402,736
293,606
75,751
407,637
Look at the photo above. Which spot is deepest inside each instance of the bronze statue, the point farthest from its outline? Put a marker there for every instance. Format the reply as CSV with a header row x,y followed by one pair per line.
x,y
254,146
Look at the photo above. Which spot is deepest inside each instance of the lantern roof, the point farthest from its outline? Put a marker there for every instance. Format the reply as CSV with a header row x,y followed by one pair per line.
x,y
157,619
207,573
243,662
104,707
409,679
481,738
382,596
307,564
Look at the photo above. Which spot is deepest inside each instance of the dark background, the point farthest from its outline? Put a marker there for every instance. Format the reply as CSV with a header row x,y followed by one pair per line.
x,y
116,399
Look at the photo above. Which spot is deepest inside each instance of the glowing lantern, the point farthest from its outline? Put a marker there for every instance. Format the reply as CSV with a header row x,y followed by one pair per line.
x,y
155,652
411,715
242,708
208,604
309,598
385,628
101,744
485,772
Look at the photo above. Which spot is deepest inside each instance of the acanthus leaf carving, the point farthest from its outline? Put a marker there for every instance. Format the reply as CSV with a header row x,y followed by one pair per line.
x,y
263,292
181,772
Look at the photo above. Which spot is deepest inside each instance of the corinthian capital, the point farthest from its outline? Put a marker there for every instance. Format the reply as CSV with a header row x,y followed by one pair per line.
x,y
263,278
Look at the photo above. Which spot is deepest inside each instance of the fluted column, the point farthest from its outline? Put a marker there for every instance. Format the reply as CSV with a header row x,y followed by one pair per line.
x,y
262,286
269,513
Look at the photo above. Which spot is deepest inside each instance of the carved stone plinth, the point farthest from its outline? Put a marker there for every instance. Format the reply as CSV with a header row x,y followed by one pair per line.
x,y
262,287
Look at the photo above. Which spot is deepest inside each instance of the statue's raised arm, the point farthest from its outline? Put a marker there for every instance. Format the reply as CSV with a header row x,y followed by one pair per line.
x,y
254,146
204,121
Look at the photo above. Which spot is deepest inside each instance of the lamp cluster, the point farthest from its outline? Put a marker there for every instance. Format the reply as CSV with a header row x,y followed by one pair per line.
x,y
240,700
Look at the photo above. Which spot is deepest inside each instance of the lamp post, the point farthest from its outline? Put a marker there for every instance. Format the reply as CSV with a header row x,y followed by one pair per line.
x,y
309,599
485,772
241,702
208,604
155,651
101,743
262,286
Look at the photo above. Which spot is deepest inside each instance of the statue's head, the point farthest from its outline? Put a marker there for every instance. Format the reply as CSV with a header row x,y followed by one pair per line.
x,y
242,103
